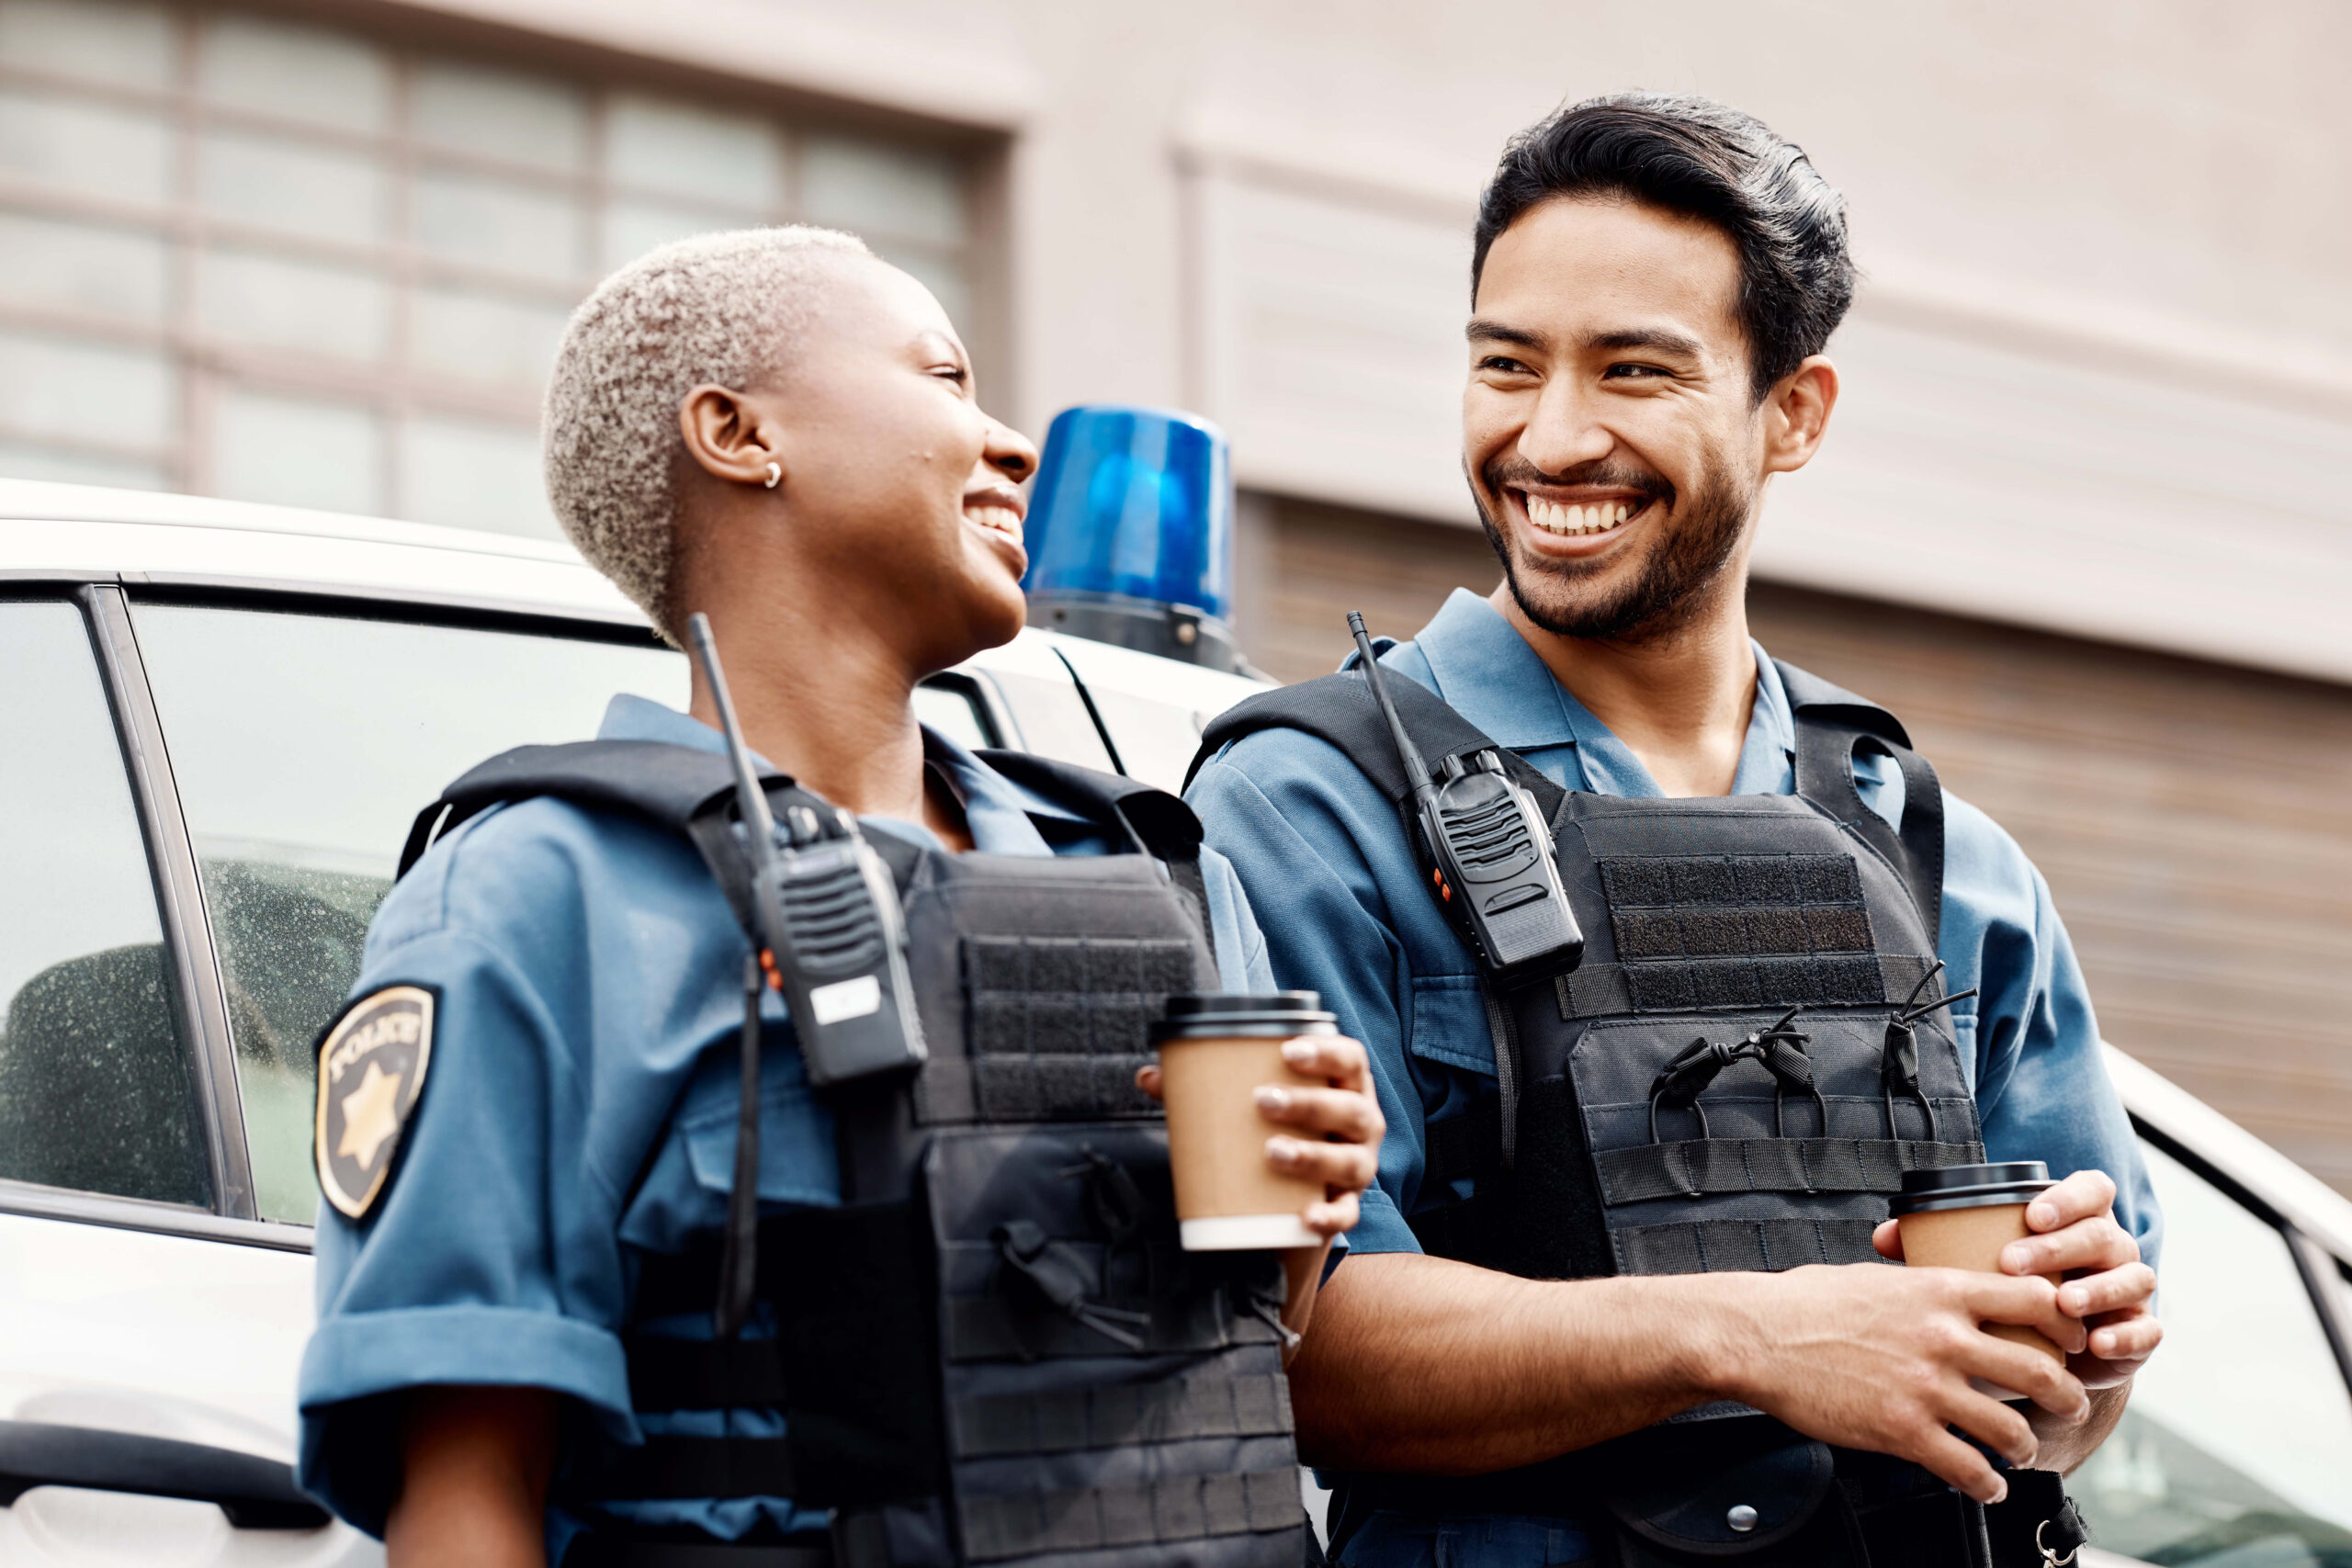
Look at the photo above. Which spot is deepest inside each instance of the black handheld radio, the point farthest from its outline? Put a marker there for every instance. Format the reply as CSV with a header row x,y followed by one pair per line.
x,y
828,915
1489,850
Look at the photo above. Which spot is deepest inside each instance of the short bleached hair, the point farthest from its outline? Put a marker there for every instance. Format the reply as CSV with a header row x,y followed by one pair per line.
x,y
717,308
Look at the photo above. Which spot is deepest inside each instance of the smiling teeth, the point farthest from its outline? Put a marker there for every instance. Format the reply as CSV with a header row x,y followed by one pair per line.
x,y
1554,518
1003,519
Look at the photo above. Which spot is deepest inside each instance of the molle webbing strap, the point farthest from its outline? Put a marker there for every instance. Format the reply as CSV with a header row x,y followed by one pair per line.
x,y
1605,990
670,1466
603,1550
1117,1416
1755,1247
1161,826
704,1374
990,1328
1701,1167
1179,1509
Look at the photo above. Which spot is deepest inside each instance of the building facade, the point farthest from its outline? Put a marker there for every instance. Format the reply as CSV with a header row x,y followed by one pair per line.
x,y
2081,517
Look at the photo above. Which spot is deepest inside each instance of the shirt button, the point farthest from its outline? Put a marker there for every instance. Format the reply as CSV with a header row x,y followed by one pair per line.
x,y
1741,1518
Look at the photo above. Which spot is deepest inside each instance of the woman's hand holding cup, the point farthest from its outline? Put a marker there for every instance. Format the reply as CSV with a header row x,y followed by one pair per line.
x,y
1328,1133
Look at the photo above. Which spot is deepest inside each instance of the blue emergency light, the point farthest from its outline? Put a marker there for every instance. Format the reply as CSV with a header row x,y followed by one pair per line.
x,y
1130,532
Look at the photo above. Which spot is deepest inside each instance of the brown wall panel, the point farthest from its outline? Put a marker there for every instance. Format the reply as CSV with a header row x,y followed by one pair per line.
x,y
2194,820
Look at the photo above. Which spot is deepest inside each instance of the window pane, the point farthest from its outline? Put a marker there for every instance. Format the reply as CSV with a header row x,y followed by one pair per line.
x,y
304,747
305,453
83,266
525,119
679,150
321,192
18,461
95,1089
302,72
84,391
2239,1434
91,149
633,228
498,223
465,475
483,338
875,190
105,41
955,713
242,297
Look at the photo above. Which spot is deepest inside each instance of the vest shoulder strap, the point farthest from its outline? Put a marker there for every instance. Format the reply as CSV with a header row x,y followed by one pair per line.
x,y
664,783
1830,722
1341,711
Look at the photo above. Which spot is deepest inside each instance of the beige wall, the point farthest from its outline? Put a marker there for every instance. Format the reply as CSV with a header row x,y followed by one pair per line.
x,y
2102,361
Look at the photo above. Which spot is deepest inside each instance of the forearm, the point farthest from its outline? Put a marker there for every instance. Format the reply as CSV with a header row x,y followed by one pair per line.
x,y
1421,1364
1302,1283
474,1480
2066,1445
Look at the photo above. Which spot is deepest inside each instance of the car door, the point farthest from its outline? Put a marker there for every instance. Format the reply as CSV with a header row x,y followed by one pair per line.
x,y
2236,1448
149,1328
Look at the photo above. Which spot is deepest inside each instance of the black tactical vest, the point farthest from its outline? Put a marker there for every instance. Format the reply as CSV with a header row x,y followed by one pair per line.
x,y
994,1351
1753,1048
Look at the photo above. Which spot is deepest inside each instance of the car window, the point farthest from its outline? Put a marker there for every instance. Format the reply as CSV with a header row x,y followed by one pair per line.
x,y
949,705
304,747
2235,1447
96,1090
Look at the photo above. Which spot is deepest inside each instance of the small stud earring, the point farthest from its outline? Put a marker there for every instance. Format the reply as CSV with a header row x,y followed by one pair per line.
x,y
776,475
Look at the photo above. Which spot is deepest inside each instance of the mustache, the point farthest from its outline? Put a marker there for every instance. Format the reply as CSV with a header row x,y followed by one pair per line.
x,y
1514,472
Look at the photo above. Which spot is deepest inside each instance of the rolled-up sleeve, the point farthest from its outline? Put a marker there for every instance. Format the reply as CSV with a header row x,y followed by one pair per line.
x,y
462,1273
1314,894
2043,1090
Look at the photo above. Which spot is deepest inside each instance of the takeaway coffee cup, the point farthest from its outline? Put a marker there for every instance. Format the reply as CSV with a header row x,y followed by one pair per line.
x,y
1215,1050
1961,1217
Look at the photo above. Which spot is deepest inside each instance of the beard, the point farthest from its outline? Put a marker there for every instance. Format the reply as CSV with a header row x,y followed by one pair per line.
x,y
1670,585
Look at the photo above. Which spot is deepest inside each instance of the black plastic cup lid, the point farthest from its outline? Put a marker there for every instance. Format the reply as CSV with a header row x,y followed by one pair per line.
x,y
1971,1185
1211,1012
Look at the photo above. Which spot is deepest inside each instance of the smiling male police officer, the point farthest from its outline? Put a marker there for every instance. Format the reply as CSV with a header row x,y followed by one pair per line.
x,y
1758,1040
957,1314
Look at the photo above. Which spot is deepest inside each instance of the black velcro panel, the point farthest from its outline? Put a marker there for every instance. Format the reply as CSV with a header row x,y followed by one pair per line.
x,y
1179,1509
1754,1247
1708,931
1702,1167
1059,1026
1065,996
1070,1420
1632,881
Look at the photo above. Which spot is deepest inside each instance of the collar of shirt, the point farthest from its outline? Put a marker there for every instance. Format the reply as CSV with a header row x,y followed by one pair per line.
x,y
1478,662
998,811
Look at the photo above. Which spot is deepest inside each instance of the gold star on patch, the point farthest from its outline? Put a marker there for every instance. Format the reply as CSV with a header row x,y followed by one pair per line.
x,y
372,1070
371,1115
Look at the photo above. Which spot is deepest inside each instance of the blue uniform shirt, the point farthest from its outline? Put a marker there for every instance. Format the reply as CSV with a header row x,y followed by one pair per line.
x,y
1347,912
579,1111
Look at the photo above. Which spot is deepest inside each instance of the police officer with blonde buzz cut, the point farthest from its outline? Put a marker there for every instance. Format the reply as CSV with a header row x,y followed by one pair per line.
x,y
759,1168
1619,1294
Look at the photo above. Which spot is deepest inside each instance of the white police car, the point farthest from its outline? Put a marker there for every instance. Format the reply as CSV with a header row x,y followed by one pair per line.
x,y
216,721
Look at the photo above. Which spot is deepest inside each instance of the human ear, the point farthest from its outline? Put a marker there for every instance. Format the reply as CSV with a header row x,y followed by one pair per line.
x,y
1796,415
729,437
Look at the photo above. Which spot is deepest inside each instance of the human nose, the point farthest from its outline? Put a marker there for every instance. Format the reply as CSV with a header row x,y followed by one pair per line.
x,y
1009,453
1565,430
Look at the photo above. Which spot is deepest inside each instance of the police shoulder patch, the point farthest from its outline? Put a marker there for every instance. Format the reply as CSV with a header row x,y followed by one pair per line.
x,y
372,1070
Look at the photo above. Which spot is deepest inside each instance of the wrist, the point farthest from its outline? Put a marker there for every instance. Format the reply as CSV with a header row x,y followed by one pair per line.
x,y
1718,1335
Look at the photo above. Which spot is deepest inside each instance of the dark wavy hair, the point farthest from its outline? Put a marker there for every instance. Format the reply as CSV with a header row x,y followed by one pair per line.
x,y
1706,160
